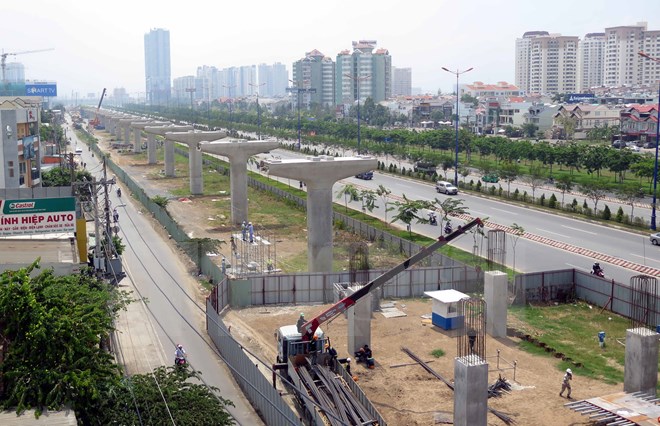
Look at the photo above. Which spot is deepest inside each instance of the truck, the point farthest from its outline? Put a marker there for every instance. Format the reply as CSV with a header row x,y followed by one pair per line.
x,y
425,167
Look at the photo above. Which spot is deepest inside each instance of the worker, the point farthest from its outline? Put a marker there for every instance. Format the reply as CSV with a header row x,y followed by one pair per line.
x,y
301,321
348,366
363,354
332,356
314,348
566,383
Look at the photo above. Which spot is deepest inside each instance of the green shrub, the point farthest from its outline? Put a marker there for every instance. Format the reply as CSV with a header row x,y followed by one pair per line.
x,y
478,188
516,194
403,171
542,200
437,353
619,215
491,190
552,202
160,200
525,197
585,205
606,214
500,191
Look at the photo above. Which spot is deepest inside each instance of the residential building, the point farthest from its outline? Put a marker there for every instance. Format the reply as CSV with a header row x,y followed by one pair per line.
x,y
274,79
247,81
542,116
157,66
209,83
401,81
182,88
585,117
315,71
639,122
553,64
650,70
523,59
512,112
500,90
622,62
591,61
363,72
20,155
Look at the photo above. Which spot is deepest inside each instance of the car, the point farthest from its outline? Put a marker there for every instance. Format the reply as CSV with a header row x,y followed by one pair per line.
x,y
366,175
490,178
617,144
79,150
655,238
649,145
633,148
445,187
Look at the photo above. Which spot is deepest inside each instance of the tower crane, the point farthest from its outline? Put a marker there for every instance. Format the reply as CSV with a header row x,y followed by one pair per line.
x,y
3,59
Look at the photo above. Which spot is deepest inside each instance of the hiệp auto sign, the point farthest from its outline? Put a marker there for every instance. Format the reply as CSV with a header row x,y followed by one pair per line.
x,y
37,216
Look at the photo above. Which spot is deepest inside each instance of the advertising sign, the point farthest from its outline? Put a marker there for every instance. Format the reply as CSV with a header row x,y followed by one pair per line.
x,y
41,89
37,216
28,147
573,98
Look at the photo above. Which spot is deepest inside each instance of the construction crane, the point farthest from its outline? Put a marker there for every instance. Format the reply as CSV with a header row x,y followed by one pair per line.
x,y
3,59
95,122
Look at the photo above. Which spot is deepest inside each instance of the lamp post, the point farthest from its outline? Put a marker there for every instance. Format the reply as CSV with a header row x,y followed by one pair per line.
x,y
657,140
358,80
298,90
258,110
231,101
191,90
457,73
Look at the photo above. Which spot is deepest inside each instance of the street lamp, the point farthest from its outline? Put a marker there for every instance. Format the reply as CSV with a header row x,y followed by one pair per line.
x,y
231,101
456,73
258,110
358,81
657,140
298,90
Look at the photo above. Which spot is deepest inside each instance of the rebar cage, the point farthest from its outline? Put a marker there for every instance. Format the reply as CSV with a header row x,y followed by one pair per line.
x,y
472,338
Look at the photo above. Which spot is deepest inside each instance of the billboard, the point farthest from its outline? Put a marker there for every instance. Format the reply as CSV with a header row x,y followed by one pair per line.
x,y
573,98
37,216
41,89
28,147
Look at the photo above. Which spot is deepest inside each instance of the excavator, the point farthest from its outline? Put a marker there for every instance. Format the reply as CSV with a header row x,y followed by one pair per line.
x,y
96,123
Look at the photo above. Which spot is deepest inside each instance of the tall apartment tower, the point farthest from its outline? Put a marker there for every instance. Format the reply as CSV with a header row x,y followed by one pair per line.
x,y
315,71
622,62
401,81
157,66
370,73
523,59
274,79
650,70
591,61
553,64
208,82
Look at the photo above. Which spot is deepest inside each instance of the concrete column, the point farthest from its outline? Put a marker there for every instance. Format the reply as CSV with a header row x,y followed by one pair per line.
x,y
359,322
192,139
168,147
238,151
320,174
127,132
496,296
641,362
151,149
137,134
470,391
160,129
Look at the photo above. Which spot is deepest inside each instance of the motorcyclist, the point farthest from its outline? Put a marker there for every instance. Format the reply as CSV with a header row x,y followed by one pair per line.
x,y
179,355
448,228
118,192
597,270
433,219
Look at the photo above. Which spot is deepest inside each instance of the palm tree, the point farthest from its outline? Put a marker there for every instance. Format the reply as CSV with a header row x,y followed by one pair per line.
x,y
349,190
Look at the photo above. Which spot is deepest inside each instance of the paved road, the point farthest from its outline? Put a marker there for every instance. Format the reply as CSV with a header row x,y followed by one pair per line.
x,y
171,314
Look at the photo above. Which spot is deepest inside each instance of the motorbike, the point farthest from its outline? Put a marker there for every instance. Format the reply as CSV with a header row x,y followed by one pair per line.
x,y
598,273
179,361
448,228
433,220
119,192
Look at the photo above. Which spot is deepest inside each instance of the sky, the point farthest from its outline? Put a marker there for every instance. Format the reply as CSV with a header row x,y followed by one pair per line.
x,y
101,44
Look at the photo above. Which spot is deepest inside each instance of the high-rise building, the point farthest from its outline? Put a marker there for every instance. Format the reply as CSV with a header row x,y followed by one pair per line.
x,y
181,88
591,61
523,59
315,71
15,72
208,82
363,72
247,80
401,81
553,64
622,62
650,70
274,79
157,66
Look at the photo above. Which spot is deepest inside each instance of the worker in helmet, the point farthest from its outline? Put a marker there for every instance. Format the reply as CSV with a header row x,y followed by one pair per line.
x,y
301,321
314,348
566,383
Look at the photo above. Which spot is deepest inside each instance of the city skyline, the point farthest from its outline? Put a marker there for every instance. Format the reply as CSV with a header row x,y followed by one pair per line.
x,y
106,49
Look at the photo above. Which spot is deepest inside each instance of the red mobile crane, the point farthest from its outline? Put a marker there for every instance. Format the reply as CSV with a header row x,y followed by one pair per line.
x,y
96,123
290,342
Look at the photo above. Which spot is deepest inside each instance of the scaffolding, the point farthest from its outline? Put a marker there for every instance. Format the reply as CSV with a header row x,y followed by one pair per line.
x,y
252,253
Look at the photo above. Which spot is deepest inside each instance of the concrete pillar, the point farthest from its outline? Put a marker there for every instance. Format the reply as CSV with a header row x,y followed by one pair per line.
x,y
138,126
151,148
496,297
320,174
470,391
641,362
238,151
359,322
169,145
192,138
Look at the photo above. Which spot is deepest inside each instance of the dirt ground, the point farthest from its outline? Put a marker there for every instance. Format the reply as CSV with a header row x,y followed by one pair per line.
x,y
406,395
411,396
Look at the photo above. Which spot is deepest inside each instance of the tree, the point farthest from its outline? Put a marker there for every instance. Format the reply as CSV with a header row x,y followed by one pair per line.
x,y
630,195
168,391
535,178
565,184
384,195
509,172
408,210
594,190
529,129
196,247
348,191
517,231
450,207
55,330
368,198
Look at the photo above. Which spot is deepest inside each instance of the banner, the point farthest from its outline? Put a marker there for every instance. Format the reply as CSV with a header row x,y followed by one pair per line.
x,y
37,216
41,89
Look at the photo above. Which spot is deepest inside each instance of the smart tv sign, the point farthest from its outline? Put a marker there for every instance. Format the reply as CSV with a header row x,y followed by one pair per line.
x,y
41,89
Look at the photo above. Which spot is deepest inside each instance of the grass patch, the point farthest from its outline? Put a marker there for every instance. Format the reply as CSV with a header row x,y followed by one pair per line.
x,y
437,353
572,329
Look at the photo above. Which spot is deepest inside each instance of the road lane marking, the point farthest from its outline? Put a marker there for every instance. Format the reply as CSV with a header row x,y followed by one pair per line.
x,y
580,230
554,233
645,257
505,211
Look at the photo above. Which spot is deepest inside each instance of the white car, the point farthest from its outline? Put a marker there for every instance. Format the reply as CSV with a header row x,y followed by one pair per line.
x,y
78,151
655,238
444,187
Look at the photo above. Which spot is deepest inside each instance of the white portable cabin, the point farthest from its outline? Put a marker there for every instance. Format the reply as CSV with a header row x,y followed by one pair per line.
x,y
445,308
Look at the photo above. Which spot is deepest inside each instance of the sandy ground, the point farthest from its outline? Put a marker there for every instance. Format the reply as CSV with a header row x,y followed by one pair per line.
x,y
406,395
411,396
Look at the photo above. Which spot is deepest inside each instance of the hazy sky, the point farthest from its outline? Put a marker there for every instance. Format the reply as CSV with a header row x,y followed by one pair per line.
x,y
101,44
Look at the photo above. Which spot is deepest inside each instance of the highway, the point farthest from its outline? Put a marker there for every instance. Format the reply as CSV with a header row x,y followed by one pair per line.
x,y
159,276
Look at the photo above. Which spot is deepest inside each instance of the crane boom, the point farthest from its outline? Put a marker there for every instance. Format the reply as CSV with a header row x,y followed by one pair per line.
x,y
309,328
3,58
